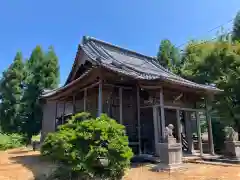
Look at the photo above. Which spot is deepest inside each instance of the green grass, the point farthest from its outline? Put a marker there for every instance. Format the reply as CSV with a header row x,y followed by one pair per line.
x,y
36,137
9,141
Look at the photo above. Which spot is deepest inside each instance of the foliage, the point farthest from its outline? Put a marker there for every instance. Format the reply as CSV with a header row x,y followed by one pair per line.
x,y
168,56
31,108
217,63
236,27
83,142
11,92
36,138
20,87
42,73
8,141
51,69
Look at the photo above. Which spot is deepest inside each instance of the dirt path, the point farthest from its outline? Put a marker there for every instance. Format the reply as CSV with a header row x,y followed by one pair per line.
x,y
24,164
21,164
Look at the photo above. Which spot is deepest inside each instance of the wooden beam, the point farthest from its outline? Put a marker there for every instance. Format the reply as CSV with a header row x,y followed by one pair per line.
x,y
74,104
59,97
120,105
199,134
100,98
56,110
85,100
209,122
63,113
138,120
123,87
189,131
155,126
183,109
150,87
175,107
162,113
179,126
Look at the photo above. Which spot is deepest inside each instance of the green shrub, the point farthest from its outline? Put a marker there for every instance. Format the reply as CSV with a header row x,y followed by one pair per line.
x,y
8,141
90,147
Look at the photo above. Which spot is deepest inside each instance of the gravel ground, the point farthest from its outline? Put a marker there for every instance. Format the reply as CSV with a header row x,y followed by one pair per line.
x,y
24,164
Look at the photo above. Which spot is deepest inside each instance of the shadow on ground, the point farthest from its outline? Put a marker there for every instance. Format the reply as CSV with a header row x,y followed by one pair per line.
x,y
37,167
34,163
20,152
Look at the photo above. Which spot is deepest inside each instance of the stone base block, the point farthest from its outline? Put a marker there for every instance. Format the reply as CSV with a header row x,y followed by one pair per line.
x,y
164,167
232,149
170,153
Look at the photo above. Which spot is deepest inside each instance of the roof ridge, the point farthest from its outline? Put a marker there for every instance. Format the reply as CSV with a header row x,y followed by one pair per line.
x,y
89,38
153,60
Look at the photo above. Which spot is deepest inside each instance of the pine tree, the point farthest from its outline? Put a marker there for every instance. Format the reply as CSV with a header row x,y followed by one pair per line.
x,y
11,93
236,27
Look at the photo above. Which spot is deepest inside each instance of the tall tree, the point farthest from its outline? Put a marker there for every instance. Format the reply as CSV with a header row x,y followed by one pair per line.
x,y
51,69
168,55
218,63
42,73
31,108
11,93
236,27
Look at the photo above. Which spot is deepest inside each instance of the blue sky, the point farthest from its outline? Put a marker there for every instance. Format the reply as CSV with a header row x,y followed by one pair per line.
x,y
136,24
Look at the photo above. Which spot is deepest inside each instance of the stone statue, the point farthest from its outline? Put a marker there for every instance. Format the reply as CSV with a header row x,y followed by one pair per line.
x,y
231,135
169,130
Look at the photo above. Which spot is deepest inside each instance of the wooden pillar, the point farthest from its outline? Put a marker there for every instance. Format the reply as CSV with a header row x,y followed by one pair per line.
x,y
99,98
74,104
158,123
199,133
155,126
162,113
63,113
85,100
187,118
179,126
138,120
56,110
120,106
209,122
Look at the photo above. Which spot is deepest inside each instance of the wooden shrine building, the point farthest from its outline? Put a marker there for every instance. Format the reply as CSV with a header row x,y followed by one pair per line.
x,y
134,90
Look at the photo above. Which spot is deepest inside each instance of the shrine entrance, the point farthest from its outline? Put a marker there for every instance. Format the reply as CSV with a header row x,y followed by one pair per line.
x,y
147,131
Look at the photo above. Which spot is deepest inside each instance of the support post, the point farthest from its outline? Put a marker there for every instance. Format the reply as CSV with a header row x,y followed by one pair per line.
x,y
85,100
199,134
162,113
209,122
120,105
63,113
155,126
138,120
74,104
179,126
100,98
56,110
187,118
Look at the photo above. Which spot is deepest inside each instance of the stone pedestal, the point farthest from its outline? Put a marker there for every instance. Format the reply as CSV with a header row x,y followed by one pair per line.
x,y
232,144
232,149
170,153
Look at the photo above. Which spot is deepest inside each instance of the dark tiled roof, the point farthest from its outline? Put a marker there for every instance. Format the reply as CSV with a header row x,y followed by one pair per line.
x,y
131,63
